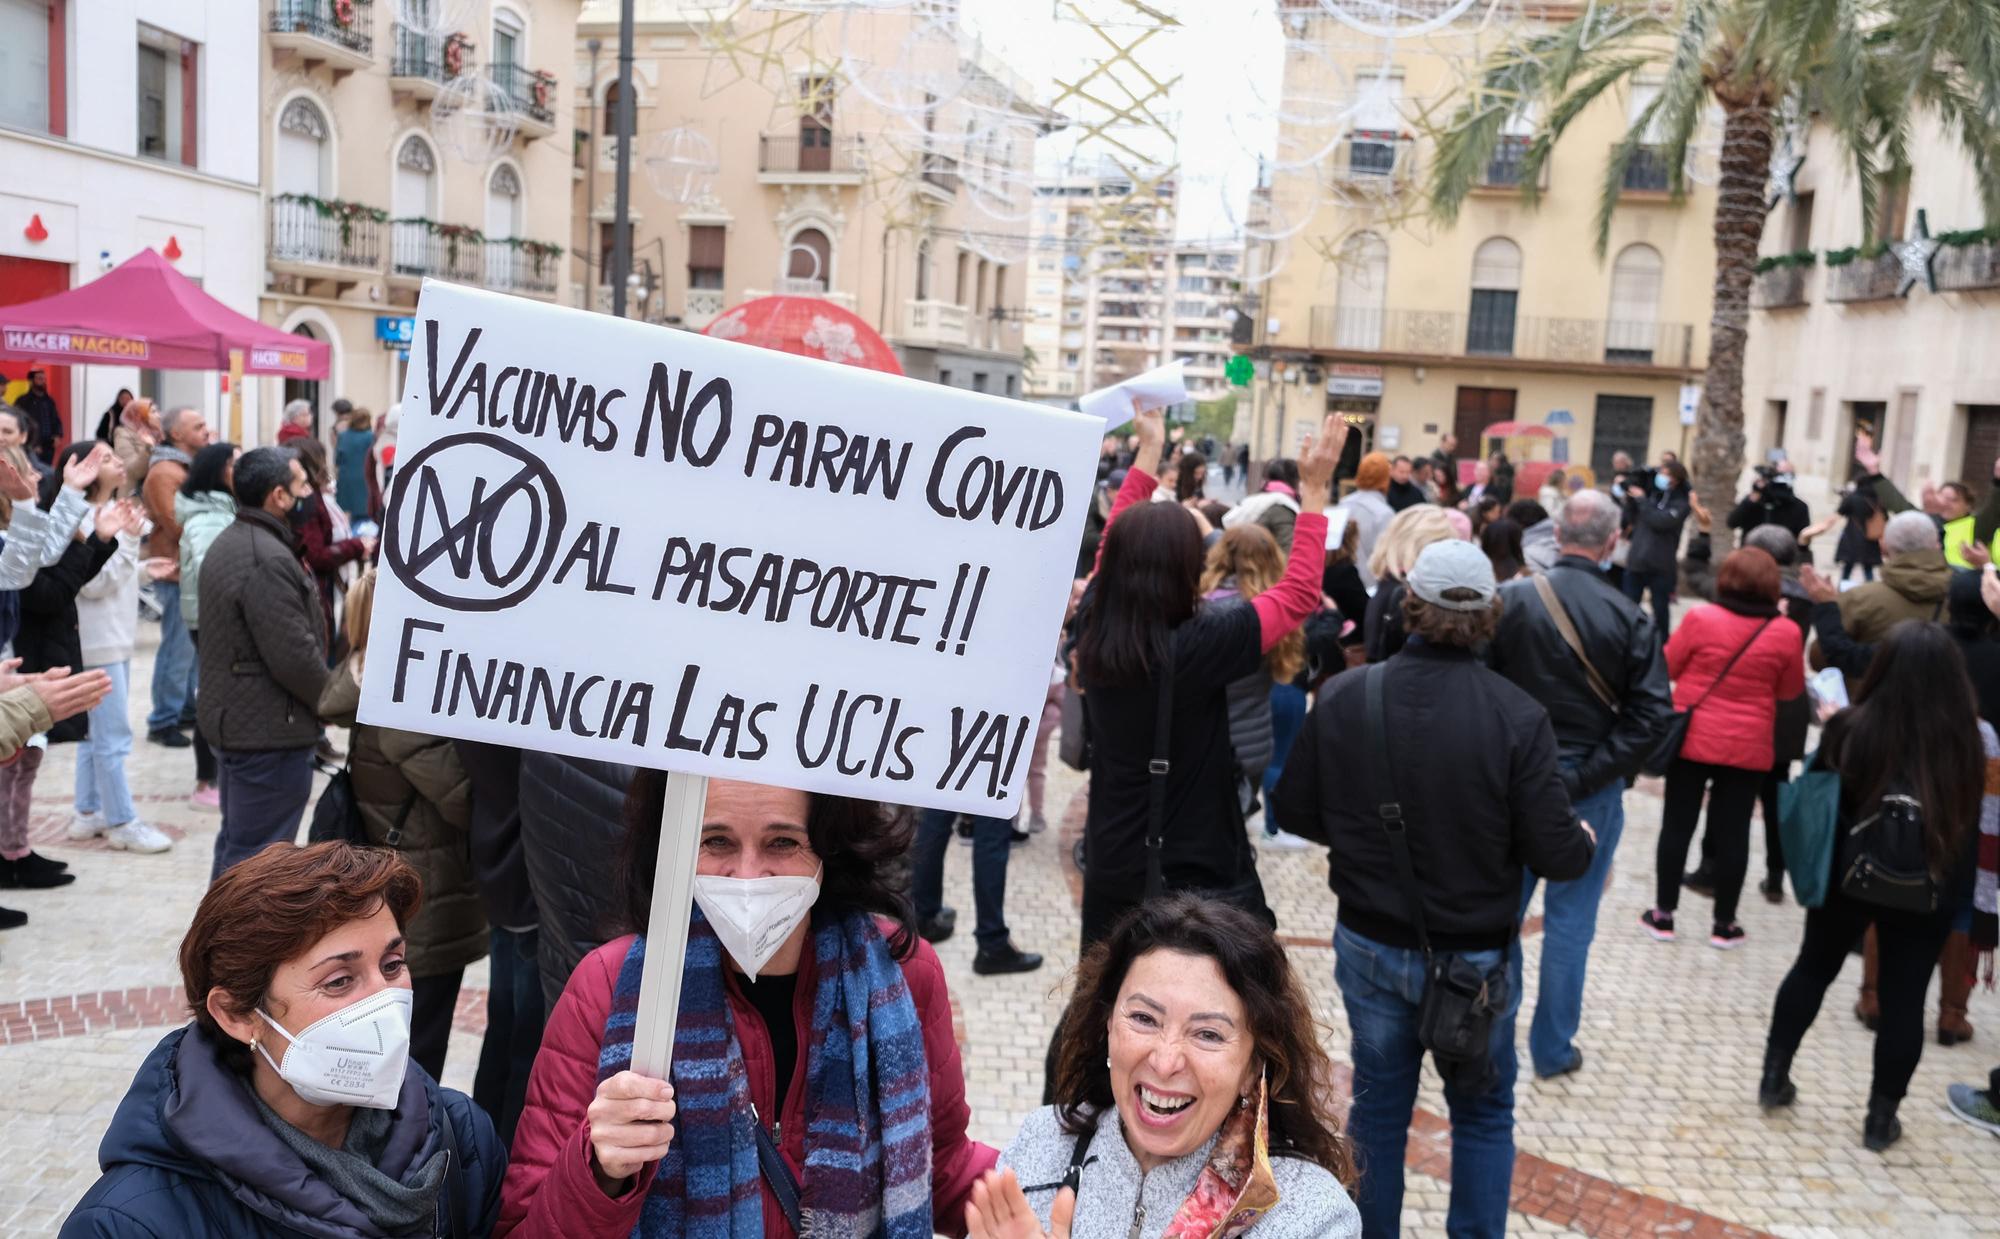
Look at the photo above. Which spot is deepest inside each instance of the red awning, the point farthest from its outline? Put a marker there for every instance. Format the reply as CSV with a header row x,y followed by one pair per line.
x,y
1517,430
144,313
810,327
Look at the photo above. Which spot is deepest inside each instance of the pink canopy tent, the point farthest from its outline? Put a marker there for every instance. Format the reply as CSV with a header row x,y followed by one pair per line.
x,y
144,313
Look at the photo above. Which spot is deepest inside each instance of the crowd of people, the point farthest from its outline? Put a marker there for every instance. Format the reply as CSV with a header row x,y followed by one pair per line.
x,y
1448,685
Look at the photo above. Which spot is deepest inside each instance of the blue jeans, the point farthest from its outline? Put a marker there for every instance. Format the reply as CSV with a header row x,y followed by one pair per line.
x,y
1288,714
992,838
1381,987
1569,923
514,1018
100,758
1662,584
175,667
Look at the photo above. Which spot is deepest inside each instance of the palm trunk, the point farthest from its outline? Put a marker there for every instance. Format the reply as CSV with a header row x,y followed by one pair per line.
x,y
1739,226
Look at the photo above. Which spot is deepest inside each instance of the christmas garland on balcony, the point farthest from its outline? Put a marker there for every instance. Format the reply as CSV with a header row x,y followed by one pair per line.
x,y
1793,260
539,252
456,49
339,209
1871,249
1966,237
453,235
343,12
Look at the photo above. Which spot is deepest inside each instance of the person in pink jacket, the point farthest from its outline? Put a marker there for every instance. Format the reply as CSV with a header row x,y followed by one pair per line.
x,y
1731,664
816,1086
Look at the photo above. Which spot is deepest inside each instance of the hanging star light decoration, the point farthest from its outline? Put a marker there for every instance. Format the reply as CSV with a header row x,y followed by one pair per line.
x,y
1917,254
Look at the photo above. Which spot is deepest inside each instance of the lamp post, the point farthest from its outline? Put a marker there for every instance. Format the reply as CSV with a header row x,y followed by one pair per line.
x,y
621,212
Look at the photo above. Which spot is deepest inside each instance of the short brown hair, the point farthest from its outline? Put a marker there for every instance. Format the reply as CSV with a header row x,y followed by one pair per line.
x,y
1444,626
275,905
1749,573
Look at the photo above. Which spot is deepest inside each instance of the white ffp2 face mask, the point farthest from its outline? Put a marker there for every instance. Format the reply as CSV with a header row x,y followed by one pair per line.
x,y
754,916
355,1057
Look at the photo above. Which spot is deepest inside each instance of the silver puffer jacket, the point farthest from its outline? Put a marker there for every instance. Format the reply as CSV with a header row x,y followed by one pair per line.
x,y
1117,1201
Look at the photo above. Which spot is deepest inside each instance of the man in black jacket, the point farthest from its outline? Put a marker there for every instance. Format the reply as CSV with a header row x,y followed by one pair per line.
x,y
515,1010
1604,725
1474,768
263,658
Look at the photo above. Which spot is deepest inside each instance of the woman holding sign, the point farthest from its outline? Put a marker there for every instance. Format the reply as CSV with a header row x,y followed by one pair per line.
x,y
816,1082
1155,666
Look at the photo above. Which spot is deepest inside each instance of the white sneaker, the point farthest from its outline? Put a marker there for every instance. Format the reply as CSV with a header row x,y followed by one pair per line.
x,y
137,836
1282,841
87,826
1037,823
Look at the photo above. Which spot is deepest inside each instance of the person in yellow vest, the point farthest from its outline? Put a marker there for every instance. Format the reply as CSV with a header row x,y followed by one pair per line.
x,y
1971,538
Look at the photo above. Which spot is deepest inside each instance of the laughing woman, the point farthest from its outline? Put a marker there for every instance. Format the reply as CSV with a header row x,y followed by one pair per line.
x,y
1190,1096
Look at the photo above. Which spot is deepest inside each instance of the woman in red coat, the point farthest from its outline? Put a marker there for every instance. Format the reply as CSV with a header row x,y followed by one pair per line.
x,y
1731,665
813,1024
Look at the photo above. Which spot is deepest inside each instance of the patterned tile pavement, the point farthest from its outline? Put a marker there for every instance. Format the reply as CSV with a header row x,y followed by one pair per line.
x,y
1659,1135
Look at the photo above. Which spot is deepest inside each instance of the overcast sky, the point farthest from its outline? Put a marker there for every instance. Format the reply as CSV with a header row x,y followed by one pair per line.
x,y
1221,48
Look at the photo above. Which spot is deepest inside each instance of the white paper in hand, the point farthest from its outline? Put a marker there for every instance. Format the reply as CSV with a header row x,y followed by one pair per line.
x,y
1155,389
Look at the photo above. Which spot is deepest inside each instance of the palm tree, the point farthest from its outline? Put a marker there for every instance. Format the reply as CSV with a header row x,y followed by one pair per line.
x,y
1862,68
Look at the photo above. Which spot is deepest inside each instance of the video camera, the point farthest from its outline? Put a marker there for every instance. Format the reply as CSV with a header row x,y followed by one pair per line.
x,y
1642,477
1771,484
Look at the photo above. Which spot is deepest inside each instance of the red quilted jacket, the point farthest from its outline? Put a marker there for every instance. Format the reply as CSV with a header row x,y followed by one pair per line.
x,y
549,1188
1734,724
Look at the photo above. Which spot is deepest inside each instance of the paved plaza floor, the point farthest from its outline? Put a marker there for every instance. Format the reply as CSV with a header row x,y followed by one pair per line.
x,y
1660,1133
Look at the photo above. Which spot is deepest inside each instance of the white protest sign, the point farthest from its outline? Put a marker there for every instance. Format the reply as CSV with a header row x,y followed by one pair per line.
x,y
1158,388
619,541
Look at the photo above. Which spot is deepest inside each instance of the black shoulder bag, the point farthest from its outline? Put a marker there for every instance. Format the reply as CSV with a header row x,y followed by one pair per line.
x,y
1460,1002
1156,776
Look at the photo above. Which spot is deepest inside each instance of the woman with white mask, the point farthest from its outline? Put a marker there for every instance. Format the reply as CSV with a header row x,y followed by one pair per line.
x,y
816,1086
289,1106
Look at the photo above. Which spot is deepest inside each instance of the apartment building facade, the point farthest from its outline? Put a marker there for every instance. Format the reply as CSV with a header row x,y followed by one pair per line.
x,y
1843,336
369,193
1412,330
828,176
154,146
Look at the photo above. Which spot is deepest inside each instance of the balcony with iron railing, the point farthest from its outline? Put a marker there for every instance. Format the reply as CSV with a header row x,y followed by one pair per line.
x,y
939,173
935,324
420,249
1647,172
1960,268
518,265
1373,156
1448,333
324,238
810,157
1778,288
339,33
1870,277
1506,166
416,62
533,94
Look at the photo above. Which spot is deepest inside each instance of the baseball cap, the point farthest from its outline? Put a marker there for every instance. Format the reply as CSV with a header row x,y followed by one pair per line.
x,y
1453,565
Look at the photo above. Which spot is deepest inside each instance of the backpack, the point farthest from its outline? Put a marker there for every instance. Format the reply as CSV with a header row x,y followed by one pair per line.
x,y
1885,862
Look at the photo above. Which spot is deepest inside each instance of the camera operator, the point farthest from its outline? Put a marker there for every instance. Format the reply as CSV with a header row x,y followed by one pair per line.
x,y
1771,502
1657,507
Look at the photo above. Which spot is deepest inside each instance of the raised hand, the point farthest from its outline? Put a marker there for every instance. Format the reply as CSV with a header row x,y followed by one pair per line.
x,y
14,486
1318,459
81,472
1151,427
68,695
999,1210
630,1122
1817,587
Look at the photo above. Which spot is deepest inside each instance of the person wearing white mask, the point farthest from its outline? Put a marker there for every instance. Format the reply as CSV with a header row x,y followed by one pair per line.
x,y
817,1086
289,1105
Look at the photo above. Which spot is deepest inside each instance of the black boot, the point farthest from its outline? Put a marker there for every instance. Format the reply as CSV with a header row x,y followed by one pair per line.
x,y
1775,1090
1881,1130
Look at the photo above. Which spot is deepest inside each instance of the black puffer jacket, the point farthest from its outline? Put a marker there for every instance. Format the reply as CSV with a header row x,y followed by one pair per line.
x,y
1657,520
49,636
1598,745
1475,769
572,831
263,641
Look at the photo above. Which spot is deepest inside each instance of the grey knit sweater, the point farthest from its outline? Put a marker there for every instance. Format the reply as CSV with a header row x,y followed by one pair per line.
x,y
1116,1201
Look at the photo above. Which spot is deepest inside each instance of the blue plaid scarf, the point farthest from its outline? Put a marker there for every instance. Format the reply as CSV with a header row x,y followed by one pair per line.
x,y
868,1115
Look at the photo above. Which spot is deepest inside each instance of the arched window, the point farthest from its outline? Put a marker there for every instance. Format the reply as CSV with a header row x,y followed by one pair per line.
x,y
924,269
1631,325
809,262
303,163
305,389
412,199
610,111
1496,288
1364,291
503,222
